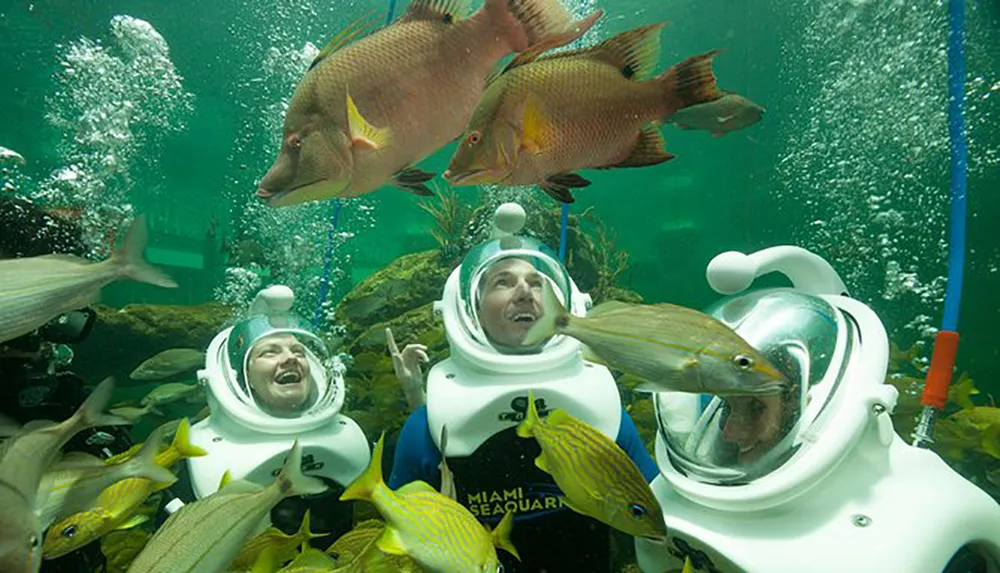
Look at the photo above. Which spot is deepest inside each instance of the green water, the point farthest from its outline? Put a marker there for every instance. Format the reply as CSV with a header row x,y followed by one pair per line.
x,y
850,161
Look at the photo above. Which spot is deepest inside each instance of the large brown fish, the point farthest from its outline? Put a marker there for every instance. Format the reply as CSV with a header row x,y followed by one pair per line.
x,y
368,109
548,116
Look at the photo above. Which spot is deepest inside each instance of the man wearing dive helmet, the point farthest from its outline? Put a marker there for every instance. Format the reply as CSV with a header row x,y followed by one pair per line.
x,y
476,398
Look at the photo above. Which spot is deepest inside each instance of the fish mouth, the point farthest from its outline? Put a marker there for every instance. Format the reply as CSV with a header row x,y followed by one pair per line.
x,y
473,177
313,191
658,539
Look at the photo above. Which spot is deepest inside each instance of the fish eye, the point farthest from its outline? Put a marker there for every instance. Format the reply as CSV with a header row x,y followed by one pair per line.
x,y
69,531
33,541
500,568
474,138
294,141
742,362
637,510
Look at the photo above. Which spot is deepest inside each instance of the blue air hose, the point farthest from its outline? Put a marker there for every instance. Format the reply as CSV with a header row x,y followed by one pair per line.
x,y
324,286
946,343
563,223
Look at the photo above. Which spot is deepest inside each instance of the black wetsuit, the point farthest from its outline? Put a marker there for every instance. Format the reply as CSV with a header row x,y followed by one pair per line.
x,y
500,476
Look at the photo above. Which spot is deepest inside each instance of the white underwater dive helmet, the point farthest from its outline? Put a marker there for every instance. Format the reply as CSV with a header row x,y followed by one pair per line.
x,y
250,439
814,479
482,387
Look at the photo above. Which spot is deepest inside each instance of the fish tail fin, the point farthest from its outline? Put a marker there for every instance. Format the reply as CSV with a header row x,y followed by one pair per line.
x,y
266,561
554,316
182,446
129,256
501,535
91,412
371,479
145,464
688,83
526,429
989,440
525,22
291,481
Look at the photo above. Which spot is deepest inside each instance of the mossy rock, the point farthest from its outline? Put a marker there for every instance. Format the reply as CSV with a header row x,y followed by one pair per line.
x,y
408,282
122,339
374,398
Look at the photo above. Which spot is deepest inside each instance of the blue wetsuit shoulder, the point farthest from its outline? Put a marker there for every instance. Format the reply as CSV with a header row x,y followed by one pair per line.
x,y
629,440
417,457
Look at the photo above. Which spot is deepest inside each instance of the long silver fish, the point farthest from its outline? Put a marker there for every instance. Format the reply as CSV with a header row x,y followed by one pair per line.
x,y
27,458
205,536
671,347
72,486
34,290
168,363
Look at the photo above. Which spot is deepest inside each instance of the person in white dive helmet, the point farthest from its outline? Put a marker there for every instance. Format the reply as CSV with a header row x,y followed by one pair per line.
x,y
814,479
271,381
476,398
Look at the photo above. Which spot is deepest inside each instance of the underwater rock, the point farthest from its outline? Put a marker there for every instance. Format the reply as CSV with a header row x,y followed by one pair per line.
x,y
123,339
406,283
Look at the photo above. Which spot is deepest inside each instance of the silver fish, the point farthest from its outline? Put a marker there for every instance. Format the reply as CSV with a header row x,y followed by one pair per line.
x,y
205,536
671,347
75,483
34,290
168,363
21,470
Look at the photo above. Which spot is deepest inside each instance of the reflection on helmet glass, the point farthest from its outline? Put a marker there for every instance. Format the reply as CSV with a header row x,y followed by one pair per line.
x,y
278,366
501,286
736,439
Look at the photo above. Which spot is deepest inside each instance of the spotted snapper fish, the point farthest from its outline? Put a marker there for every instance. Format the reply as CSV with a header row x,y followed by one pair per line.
x,y
547,116
205,536
26,460
671,348
33,290
596,476
440,534
117,506
370,107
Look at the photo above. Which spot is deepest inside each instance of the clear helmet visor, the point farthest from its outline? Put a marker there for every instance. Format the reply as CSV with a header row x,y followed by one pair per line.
x,y
737,439
500,285
277,366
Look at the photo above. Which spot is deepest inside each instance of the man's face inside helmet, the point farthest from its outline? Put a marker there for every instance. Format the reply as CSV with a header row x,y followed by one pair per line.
x,y
754,424
278,373
510,301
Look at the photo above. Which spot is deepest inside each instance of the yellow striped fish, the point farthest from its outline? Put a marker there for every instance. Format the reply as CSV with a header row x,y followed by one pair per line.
x,y
440,534
33,290
117,505
596,476
350,546
205,536
283,546
75,483
670,347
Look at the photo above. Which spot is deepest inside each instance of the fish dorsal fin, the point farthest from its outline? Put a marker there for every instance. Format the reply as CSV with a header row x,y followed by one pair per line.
x,y
446,11
64,258
77,460
354,31
550,43
634,52
558,417
239,486
606,307
416,487
650,149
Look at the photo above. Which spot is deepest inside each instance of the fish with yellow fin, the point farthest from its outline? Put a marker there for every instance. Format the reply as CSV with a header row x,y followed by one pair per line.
x,y
117,506
548,116
596,477
440,534
671,348
371,106
283,546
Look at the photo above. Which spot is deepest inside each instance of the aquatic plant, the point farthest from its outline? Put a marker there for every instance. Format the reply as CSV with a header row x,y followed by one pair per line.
x,y
451,217
610,261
